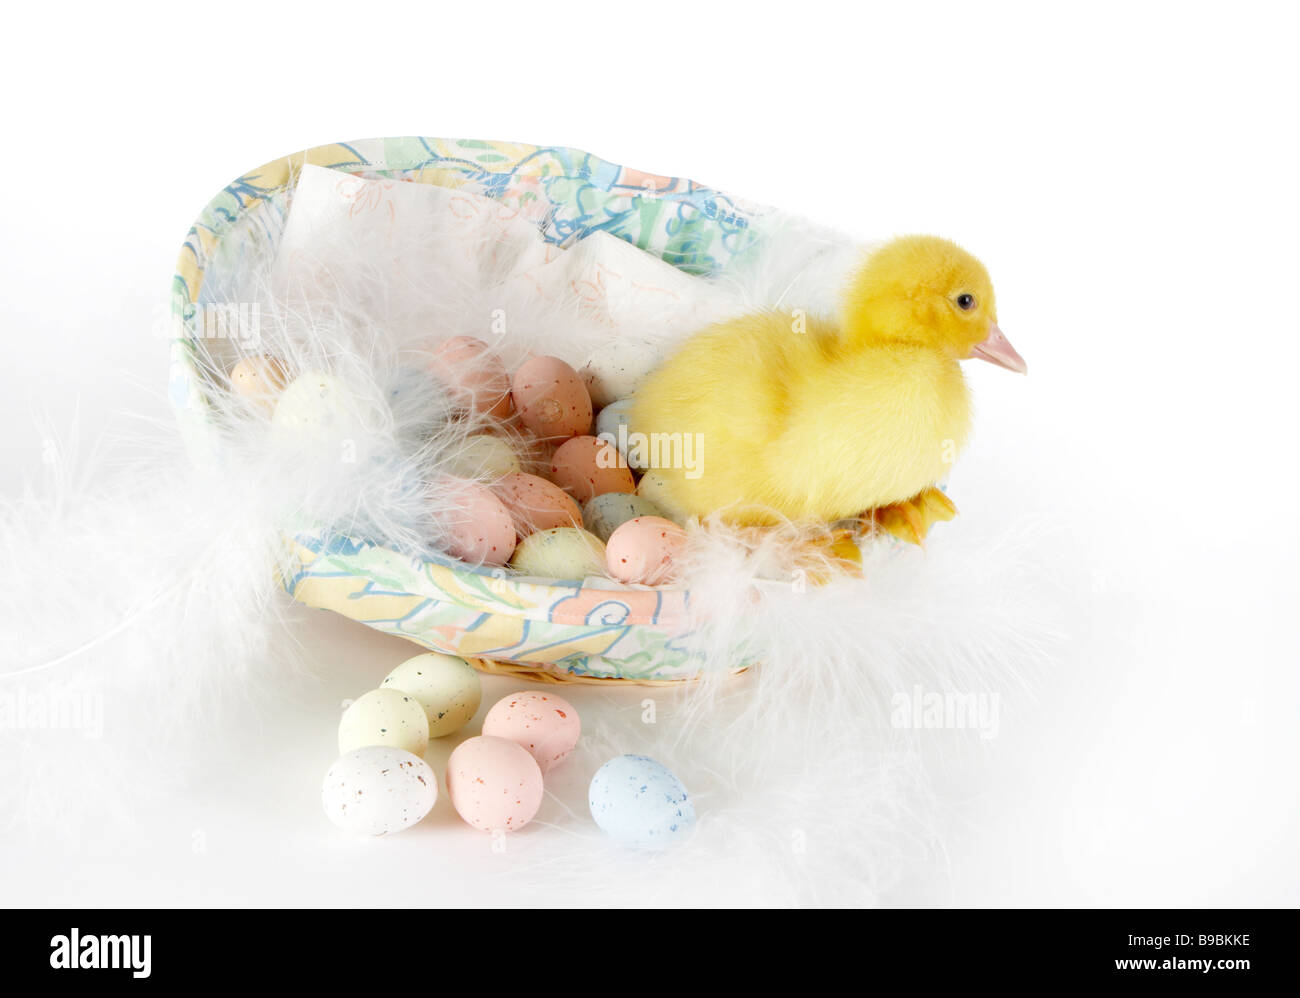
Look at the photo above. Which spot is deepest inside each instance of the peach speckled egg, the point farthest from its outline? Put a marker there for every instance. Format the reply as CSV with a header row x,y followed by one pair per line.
x,y
588,466
551,399
544,724
473,374
643,550
535,504
260,380
474,524
494,784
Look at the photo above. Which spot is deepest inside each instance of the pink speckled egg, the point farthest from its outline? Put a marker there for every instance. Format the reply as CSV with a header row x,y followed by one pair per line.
x,y
544,724
536,504
474,524
551,399
588,466
473,374
643,550
494,784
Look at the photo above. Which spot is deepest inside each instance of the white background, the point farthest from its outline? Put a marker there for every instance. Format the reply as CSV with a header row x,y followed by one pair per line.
x,y
1129,174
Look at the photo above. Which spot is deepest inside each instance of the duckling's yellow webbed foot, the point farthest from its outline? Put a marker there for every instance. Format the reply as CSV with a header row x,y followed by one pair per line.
x,y
911,520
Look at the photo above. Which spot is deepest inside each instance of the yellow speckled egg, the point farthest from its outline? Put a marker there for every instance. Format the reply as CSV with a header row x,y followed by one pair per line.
x,y
483,457
447,687
384,717
316,405
644,549
536,504
562,553
551,399
260,380
588,466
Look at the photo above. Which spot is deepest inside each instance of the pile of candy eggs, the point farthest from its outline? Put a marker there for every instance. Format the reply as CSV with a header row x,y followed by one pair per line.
x,y
587,511
495,781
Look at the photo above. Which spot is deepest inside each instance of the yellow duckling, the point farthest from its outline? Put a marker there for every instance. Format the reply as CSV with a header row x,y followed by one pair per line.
x,y
808,419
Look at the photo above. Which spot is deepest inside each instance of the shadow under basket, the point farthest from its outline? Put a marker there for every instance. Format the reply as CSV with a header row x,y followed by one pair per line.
x,y
561,632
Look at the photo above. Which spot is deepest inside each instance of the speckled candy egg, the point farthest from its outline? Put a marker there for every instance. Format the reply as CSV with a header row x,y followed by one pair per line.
x,y
384,717
536,504
447,687
474,524
654,486
260,380
544,724
551,399
602,515
586,466
640,802
616,369
473,375
377,790
494,784
644,550
562,553
316,404
613,424
483,457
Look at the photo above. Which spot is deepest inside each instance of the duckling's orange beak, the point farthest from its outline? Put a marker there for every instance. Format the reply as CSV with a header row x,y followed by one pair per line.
x,y
997,349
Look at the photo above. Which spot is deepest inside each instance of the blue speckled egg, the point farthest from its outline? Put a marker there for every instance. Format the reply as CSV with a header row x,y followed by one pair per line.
x,y
640,802
603,514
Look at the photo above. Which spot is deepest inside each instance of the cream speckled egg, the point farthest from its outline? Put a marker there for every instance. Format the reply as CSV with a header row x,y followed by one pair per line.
x,y
602,515
587,466
447,687
616,369
644,550
654,486
551,399
384,717
544,724
260,380
474,525
536,504
377,790
316,404
483,457
473,375
562,553
494,784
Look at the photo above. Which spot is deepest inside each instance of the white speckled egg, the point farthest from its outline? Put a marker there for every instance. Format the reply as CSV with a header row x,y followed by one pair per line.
x,y
543,723
384,717
494,784
617,368
317,404
602,515
654,486
483,457
639,802
447,687
560,553
377,790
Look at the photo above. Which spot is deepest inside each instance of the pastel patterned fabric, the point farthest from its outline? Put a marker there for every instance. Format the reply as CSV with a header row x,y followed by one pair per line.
x,y
443,605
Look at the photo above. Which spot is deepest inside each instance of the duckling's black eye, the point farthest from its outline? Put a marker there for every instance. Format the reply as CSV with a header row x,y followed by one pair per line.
x,y
965,302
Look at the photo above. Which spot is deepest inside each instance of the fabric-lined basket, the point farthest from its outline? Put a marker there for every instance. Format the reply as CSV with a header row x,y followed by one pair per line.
x,y
564,632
